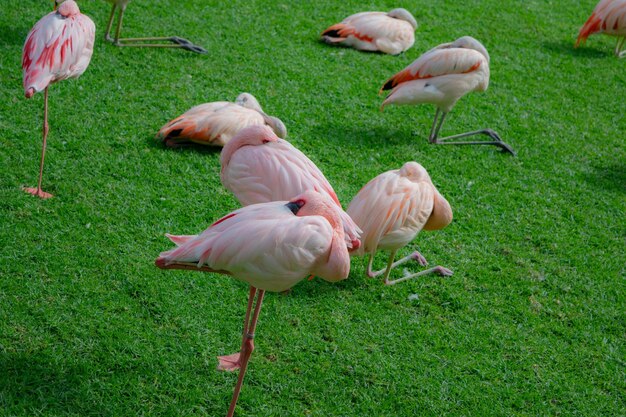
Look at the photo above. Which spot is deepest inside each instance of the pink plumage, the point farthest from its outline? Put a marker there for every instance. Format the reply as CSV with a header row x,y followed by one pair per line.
x,y
58,47
391,33
258,167
608,17
441,77
272,246
392,209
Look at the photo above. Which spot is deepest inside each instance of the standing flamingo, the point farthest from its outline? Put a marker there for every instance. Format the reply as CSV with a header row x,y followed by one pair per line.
x,y
176,42
391,33
608,17
258,167
216,123
441,77
392,209
272,246
58,47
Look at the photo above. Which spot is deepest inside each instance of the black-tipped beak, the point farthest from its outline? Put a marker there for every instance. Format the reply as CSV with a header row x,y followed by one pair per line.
x,y
295,206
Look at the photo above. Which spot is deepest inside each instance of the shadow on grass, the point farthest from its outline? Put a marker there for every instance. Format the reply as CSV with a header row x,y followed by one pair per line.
x,y
34,383
567,48
611,178
190,147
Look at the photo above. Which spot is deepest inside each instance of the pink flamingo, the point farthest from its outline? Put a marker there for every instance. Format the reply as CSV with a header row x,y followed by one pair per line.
x,y
391,33
258,166
608,17
216,123
58,47
272,246
441,77
175,41
392,209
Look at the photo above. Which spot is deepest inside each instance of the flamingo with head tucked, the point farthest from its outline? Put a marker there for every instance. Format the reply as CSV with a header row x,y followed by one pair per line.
x,y
258,166
271,246
391,33
441,77
58,47
215,123
609,17
392,209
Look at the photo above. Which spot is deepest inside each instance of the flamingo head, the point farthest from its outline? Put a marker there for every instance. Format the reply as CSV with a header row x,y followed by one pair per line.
x,y
277,126
313,203
403,14
468,42
66,8
248,101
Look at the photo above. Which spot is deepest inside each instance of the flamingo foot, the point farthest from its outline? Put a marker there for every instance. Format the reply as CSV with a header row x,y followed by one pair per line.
x,y
38,192
230,362
444,272
419,258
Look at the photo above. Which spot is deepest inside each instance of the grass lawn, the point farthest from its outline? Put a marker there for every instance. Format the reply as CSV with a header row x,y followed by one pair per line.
x,y
533,321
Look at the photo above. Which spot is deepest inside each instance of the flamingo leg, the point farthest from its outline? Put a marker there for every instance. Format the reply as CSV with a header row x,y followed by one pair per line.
x,y
38,191
232,362
248,346
496,140
414,256
618,48
107,34
176,42
439,270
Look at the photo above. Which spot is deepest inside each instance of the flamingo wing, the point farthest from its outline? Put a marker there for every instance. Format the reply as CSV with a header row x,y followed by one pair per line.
x,y
209,124
438,62
391,210
275,171
56,48
609,16
265,245
372,31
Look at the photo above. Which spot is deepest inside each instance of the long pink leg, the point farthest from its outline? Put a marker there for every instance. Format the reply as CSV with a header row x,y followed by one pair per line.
x,y
246,351
415,256
38,191
232,362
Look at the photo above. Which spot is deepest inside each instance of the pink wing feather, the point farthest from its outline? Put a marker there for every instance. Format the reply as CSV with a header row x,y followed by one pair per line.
x,y
438,62
265,245
391,210
56,48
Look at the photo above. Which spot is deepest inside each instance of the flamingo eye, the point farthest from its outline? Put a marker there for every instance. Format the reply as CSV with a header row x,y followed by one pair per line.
x,y
265,141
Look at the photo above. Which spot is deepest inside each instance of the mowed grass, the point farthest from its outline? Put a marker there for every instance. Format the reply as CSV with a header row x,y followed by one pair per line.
x,y
531,323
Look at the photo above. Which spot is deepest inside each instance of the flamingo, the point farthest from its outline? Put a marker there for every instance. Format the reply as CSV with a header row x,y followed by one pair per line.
x,y
58,47
442,76
391,33
271,246
258,166
215,123
176,42
392,209
608,17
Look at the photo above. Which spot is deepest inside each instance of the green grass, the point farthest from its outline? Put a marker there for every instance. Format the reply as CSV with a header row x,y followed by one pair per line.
x,y
531,323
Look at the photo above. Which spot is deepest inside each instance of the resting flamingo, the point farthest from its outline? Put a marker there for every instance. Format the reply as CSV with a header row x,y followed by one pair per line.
x,y
608,17
215,123
391,33
392,209
441,77
58,47
175,41
258,166
272,246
